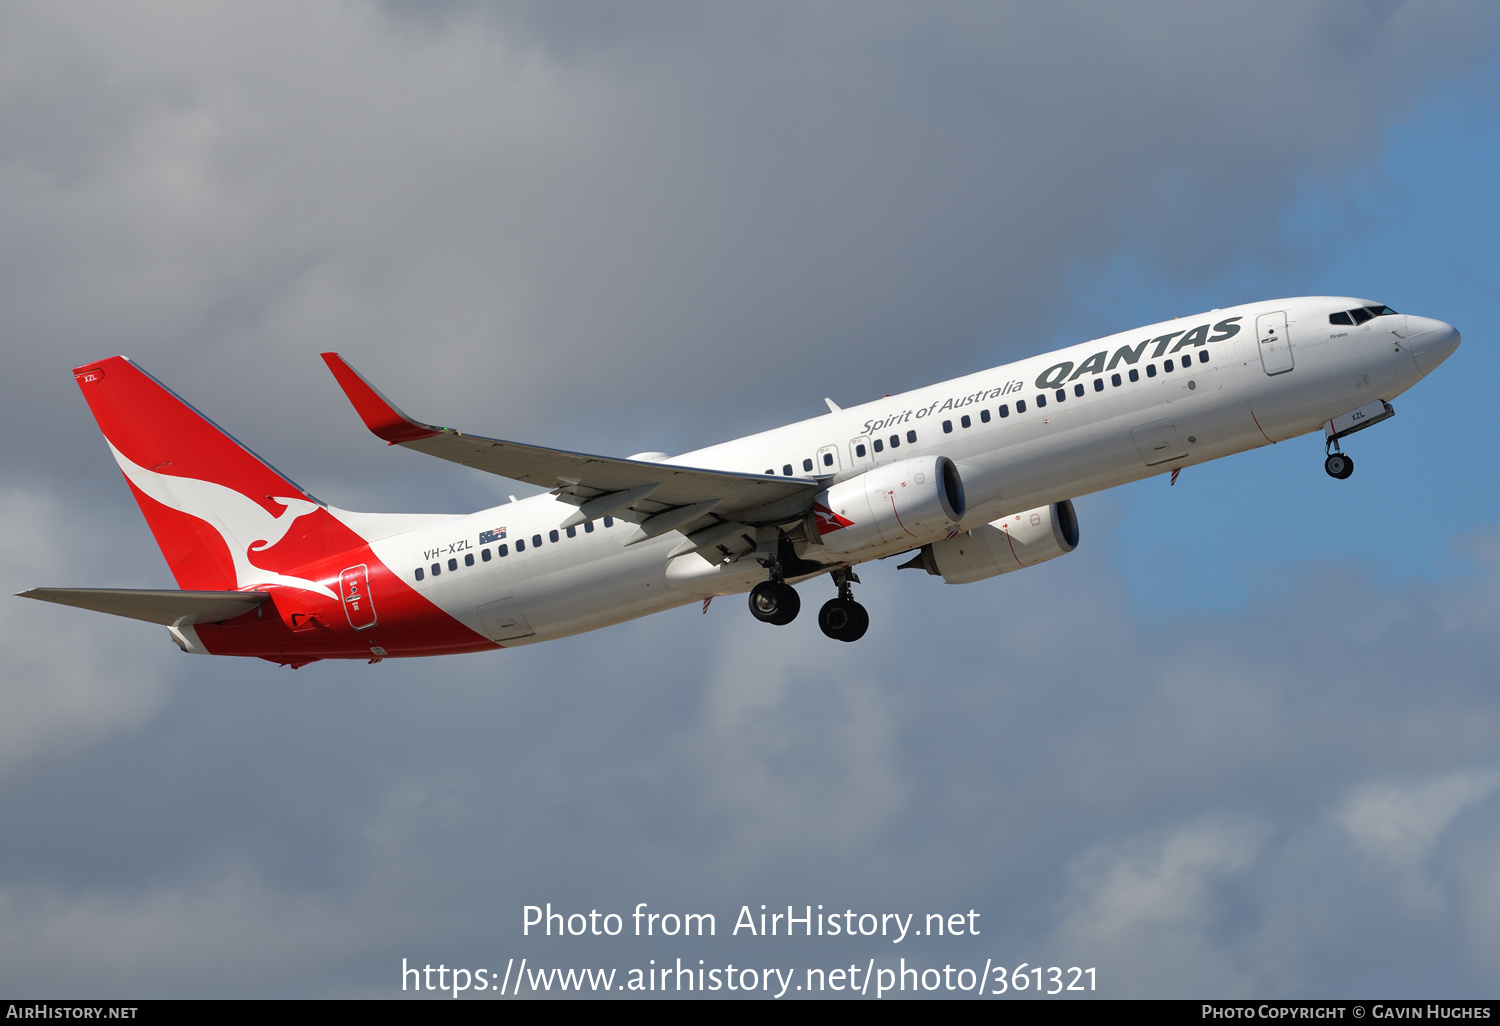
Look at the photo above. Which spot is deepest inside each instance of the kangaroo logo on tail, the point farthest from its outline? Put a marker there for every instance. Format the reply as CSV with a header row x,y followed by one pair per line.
x,y
244,525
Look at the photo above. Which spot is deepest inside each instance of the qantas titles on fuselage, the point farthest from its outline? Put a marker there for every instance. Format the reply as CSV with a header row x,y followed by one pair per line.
x,y
973,477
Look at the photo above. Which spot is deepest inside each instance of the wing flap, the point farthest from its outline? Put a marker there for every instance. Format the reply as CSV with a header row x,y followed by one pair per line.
x,y
173,608
580,477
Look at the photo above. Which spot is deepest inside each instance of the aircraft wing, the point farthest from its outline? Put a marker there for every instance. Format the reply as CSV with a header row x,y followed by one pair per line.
x,y
173,608
634,490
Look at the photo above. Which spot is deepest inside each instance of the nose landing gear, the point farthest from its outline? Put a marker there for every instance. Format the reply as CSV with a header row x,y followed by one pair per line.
x,y
842,618
1338,465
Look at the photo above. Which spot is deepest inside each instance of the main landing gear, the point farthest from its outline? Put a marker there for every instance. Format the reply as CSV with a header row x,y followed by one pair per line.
x,y
842,618
775,601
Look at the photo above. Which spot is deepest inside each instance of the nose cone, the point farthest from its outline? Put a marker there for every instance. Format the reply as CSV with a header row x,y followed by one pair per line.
x,y
1431,341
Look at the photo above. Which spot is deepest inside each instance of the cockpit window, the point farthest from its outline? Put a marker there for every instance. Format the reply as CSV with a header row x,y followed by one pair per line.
x,y
1360,315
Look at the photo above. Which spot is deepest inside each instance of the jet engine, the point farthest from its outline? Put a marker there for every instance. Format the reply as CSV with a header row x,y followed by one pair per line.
x,y
914,499
1001,546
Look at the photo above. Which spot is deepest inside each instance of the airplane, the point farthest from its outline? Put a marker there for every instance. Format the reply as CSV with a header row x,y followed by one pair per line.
x,y
974,477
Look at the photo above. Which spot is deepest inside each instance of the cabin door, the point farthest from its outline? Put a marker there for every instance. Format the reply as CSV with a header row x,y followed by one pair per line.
x,y
1275,346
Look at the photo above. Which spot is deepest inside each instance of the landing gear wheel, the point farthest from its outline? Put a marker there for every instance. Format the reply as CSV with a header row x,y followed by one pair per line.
x,y
843,619
1339,466
775,602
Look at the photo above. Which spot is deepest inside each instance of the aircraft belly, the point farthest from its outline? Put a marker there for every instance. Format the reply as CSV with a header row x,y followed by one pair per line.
x,y
614,585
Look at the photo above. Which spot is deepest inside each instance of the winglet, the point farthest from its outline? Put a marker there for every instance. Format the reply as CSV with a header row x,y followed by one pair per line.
x,y
379,414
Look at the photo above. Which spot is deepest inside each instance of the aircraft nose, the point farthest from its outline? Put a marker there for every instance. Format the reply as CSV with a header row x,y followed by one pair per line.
x,y
1431,341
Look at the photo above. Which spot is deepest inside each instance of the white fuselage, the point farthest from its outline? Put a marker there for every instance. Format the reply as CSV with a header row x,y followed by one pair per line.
x,y
1237,393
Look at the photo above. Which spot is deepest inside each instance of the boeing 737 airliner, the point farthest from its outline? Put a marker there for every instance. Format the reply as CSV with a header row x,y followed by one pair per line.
x,y
972,476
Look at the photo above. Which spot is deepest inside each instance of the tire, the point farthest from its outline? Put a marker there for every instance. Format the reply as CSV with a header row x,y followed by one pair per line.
x,y
1339,466
774,603
843,619
835,617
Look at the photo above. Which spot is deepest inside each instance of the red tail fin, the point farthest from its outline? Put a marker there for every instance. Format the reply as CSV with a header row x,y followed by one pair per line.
x,y
224,518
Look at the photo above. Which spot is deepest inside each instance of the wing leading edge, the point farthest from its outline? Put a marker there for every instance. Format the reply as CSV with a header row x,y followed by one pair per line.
x,y
674,497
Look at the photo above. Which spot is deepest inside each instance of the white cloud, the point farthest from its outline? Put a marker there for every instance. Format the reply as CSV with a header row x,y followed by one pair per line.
x,y
1401,823
1149,912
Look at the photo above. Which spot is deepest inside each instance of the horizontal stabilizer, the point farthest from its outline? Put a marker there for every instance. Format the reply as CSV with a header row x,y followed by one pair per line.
x,y
173,608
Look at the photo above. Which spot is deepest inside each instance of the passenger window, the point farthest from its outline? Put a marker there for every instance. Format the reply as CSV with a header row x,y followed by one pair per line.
x,y
572,532
984,415
1360,316
1062,393
452,564
609,521
437,568
786,469
468,559
1187,359
828,459
1203,356
1342,317
1114,379
1041,401
1135,375
859,450
1078,390
947,427
1098,384
911,436
965,421
895,441
536,541
520,545
420,575
1020,407
504,550
806,465
484,554
553,535
879,445
770,470
1168,366
588,527
1150,370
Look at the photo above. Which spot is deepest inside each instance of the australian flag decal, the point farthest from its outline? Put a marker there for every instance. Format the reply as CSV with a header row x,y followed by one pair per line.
x,y
489,537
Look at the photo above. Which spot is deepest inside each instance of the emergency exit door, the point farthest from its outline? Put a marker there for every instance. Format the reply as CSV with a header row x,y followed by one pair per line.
x,y
354,590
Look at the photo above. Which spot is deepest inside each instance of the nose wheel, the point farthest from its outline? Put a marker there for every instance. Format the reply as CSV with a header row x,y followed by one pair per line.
x,y
1338,466
842,618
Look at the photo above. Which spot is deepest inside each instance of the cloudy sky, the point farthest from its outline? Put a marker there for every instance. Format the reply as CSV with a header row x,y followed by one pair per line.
x,y
1245,741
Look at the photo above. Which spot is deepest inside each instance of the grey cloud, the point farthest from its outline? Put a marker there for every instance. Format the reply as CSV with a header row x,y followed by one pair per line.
x,y
655,235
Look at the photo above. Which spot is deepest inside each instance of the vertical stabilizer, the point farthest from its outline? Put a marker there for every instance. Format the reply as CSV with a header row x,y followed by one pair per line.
x,y
223,517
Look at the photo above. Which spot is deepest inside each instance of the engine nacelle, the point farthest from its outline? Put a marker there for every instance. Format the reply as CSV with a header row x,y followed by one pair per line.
x,y
911,500
1007,544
